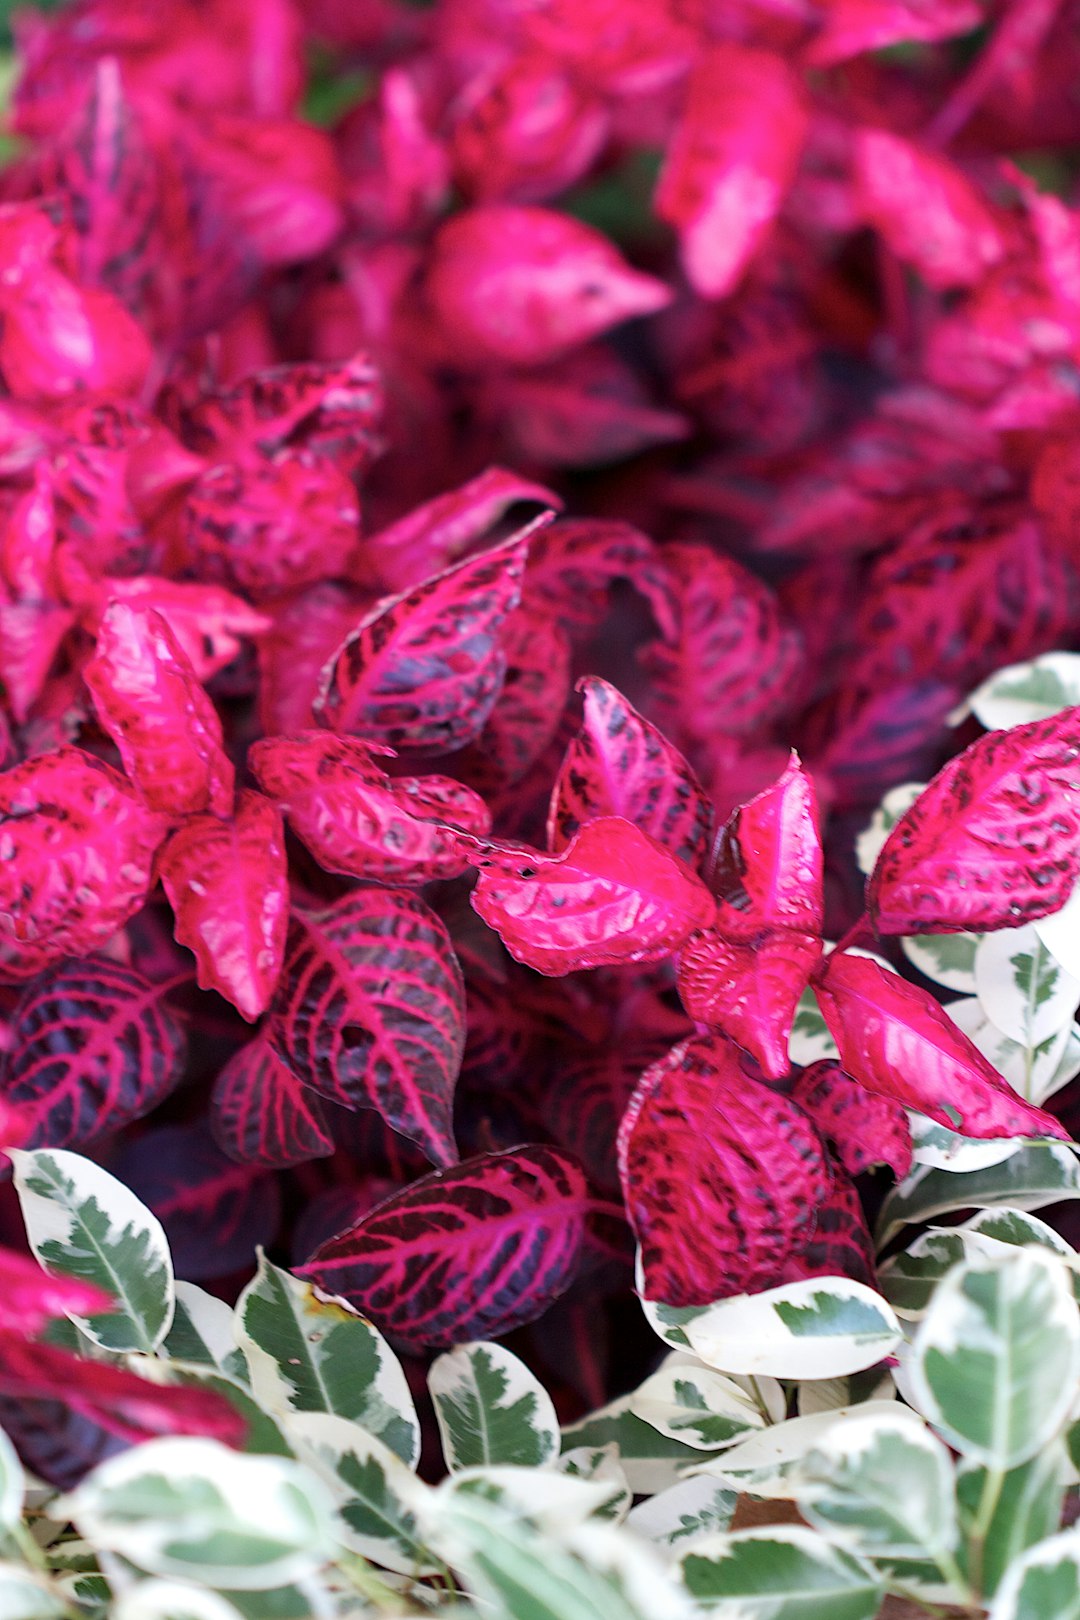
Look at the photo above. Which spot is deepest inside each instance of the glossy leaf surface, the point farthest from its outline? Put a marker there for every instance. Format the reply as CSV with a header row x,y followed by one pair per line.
x,y
864,1127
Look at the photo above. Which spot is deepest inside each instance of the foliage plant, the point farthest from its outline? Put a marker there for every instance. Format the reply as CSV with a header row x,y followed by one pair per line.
x,y
539,808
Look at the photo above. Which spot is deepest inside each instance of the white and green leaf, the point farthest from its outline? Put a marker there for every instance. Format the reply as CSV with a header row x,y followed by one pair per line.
x,y
12,1485
203,1331
935,1145
1031,1070
871,841
1024,991
652,1461
948,959
552,1500
306,1353
600,1465
1034,690
1035,1175
784,1572
1027,1507
684,1513
1044,1584
691,1402
819,1327
1060,933
25,1595
491,1409
995,1364
908,1280
173,1600
765,1463
82,1222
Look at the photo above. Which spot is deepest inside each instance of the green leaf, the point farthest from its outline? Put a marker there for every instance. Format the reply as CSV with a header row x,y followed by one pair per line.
x,y
194,1509
782,1573
82,1222
264,1436
309,1354
26,1596
202,1331
686,1512
881,1485
691,1402
491,1409
651,1460
172,1600
1024,991
819,1327
908,1280
552,1499
377,1495
1030,691
1027,1509
1035,1175
600,1465
996,1361
593,1572
948,959
1044,1584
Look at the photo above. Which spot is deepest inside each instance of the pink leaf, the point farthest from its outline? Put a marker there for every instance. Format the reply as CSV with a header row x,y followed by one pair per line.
x,y
620,765
863,1127
850,27
530,706
523,284
357,820
749,991
705,1150
733,157
76,855
371,1012
30,1295
467,1253
423,670
59,339
994,841
93,1046
438,533
227,883
31,634
613,895
207,620
841,1245
149,701
927,210
735,661
307,629
573,566
894,1039
261,1114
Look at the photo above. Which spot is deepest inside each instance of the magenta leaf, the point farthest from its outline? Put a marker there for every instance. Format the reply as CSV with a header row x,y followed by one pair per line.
x,y
149,701
894,1039
994,841
749,990
863,1127
207,620
371,1012
308,629
850,27
467,1253
261,1114
357,820
620,765
93,1046
926,209
227,883
76,855
841,1245
732,160
574,564
524,284
30,1296
529,708
705,1150
423,670
734,661
437,534
612,895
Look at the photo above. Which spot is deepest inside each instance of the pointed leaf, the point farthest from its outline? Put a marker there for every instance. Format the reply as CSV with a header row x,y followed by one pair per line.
x,y
1028,1178
620,765
82,1222
1024,992
207,620
927,210
371,1012
701,1147
227,884
93,1046
785,1572
423,670
202,1332
750,992
994,840
261,1114
76,853
308,1354
149,701
996,1360
491,1409
864,1128
896,1040
465,1253
357,820
31,1296
613,895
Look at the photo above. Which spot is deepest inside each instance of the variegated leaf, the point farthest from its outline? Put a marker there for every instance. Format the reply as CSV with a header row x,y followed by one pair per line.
x,y
781,1573
819,1327
693,1403
1029,1178
491,1409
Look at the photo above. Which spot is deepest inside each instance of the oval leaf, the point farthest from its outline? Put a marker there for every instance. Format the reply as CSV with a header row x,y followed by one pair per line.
x,y
1044,1581
694,1404
82,1222
862,1127
261,1114
994,840
820,1327
371,1012
704,1148
491,1409
466,1253
613,895
786,1572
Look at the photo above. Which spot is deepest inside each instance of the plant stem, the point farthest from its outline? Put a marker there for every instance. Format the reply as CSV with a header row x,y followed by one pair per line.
x,y
980,1525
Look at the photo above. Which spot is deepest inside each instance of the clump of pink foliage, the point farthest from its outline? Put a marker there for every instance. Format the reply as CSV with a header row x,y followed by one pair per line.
x,y
568,457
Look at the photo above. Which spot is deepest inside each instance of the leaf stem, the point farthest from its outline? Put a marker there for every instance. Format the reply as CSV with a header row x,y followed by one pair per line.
x,y
980,1525
854,934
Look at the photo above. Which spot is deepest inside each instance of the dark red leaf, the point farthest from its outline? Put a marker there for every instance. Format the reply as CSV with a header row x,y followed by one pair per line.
x,y
734,662
467,1253
30,1296
227,883
612,895
530,706
994,841
437,534
574,564
863,1127
894,1039
308,629
423,670
357,820
76,854
703,1150
149,701
371,1012
93,1046
841,1245
261,1114
749,990
620,765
